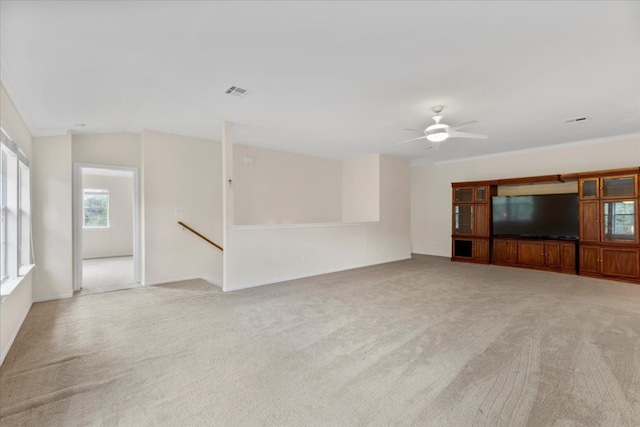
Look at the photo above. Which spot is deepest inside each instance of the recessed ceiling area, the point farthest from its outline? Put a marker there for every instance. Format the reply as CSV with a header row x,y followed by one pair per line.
x,y
331,79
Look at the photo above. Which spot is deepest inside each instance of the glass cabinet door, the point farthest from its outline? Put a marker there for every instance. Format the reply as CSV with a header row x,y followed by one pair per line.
x,y
481,194
463,219
589,188
463,194
619,186
619,221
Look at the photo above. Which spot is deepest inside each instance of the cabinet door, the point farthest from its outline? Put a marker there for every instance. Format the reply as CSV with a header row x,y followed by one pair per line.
x,y
588,188
552,254
463,219
482,220
616,187
590,259
463,195
499,251
619,221
620,262
505,251
531,253
482,194
568,256
481,249
589,221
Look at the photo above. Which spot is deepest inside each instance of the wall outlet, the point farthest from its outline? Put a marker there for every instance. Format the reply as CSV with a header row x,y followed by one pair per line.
x,y
179,210
302,258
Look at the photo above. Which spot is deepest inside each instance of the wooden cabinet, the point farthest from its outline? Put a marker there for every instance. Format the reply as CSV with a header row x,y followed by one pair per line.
x,y
557,255
505,251
610,261
474,250
531,253
609,209
608,227
471,222
609,238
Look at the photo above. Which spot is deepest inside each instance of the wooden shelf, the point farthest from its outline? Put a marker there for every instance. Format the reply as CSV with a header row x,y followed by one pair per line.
x,y
609,243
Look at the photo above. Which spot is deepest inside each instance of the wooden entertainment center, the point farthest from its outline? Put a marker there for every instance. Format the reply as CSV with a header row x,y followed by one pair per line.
x,y
608,243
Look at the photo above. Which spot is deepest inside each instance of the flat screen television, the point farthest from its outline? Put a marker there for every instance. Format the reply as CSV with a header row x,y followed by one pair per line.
x,y
540,216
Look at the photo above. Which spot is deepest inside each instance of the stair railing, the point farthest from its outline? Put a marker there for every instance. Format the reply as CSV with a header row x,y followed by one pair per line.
x,y
200,235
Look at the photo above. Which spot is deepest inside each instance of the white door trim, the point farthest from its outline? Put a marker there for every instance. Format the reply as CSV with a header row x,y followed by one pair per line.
x,y
78,214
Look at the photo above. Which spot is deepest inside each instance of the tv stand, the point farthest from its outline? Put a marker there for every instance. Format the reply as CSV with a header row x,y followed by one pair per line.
x,y
540,254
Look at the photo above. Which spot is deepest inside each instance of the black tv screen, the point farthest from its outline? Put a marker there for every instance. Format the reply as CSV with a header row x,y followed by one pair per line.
x,y
544,216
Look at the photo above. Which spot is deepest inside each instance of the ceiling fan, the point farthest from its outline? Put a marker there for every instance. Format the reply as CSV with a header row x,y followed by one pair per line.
x,y
440,132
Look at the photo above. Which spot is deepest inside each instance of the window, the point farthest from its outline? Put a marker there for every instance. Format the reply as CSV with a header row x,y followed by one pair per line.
x,y
15,214
96,207
3,226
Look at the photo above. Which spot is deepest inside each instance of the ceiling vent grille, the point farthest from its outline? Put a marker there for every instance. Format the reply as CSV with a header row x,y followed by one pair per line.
x,y
236,91
575,120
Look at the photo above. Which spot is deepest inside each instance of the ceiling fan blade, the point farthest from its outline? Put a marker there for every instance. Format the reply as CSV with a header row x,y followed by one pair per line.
x,y
413,130
467,135
461,125
433,147
409,140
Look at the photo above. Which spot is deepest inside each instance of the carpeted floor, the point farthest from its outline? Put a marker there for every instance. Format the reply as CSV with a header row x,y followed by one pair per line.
x,y
107,274
417,342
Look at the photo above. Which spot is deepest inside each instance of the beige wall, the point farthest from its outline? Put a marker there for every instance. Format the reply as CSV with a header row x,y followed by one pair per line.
x,y
117,239
257,256
184,173
14,308
431,184
361,189
285,188
51,209
533,189
116,149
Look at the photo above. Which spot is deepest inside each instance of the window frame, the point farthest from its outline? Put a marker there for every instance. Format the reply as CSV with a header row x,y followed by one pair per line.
x,y
95,192
15,199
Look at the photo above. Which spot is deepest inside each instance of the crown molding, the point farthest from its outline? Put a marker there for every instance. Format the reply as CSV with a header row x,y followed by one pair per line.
x,y
12,91
424,161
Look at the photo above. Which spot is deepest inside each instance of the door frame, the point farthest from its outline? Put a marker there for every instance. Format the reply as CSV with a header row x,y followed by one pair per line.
x,y
78,215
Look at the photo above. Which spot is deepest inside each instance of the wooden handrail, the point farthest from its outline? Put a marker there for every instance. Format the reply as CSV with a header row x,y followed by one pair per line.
x,y
200,235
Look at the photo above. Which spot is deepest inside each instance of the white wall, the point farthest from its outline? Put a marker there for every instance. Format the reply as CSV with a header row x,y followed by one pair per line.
x,y
51,209
256,256
285,188
361,189
15,307
117,239
431,184
184,173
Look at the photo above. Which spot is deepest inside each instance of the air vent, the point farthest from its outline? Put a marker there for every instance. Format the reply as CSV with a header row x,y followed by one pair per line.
x,y
236,91
575,120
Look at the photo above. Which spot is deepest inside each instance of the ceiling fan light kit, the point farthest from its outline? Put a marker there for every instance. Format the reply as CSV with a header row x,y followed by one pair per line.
x,y
440,132
437,137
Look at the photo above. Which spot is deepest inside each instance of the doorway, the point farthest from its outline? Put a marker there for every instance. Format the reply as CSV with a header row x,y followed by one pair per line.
x,y
106,216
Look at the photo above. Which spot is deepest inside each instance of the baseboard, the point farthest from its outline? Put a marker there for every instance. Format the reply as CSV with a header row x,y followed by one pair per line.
x,y
107,257
286,279
14,334
42,299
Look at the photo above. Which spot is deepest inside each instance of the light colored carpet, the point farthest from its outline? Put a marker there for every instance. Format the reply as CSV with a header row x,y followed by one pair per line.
x,y
107,274
418,342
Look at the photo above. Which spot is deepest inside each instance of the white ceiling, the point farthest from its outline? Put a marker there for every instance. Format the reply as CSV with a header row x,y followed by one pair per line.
x,y
334,79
